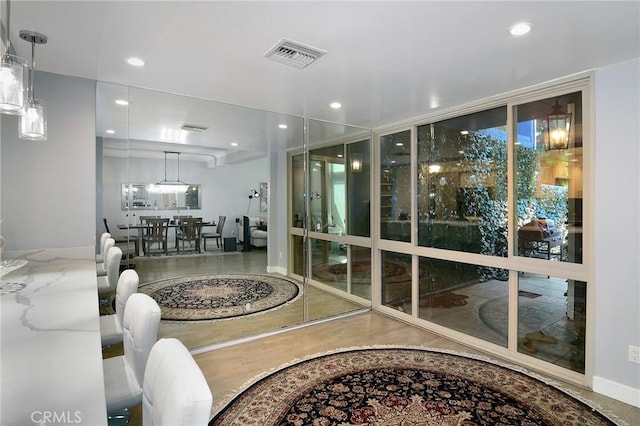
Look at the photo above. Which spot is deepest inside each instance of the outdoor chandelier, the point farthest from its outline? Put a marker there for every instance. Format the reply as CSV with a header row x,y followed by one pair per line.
x,y
33,121
558,127
356,163
11,76
169,186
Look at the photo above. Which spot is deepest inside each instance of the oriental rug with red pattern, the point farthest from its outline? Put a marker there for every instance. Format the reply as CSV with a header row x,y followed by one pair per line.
x,y
404,386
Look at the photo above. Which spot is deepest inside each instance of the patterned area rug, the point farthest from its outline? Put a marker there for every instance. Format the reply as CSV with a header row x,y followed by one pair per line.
x,y
212,297
404,386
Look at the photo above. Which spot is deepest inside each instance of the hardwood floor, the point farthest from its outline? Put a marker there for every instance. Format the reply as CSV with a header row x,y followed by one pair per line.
x,y
228,368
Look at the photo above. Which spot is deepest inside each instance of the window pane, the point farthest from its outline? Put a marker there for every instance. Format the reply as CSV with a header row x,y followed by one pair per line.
x,y
549,178
396,281
361,271
298,254
395,186
329,263
297,191
468,298
462,183
327,190
551,319
359,189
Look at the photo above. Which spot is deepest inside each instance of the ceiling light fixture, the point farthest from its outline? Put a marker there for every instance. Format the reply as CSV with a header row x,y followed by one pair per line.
x,y
109,131
33,123
521,28
335,105
234,144
282,126
169,186
122,102
11,76
135,62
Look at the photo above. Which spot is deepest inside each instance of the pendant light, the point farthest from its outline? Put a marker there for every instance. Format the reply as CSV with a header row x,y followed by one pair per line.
x,y
33,122
558,128
12,70
169,186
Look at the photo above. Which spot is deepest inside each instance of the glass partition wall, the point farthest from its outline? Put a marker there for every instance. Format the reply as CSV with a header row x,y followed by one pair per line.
x,y
480,226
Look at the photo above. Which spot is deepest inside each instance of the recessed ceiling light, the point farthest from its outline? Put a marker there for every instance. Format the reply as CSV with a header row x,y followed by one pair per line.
x,y
111,132
464,132
282,126
234,143
335,105
340,155
122,102
399,144
135,62
521,28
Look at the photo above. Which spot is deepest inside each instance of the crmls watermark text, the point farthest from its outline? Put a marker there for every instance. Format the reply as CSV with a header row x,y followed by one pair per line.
x,y
56,417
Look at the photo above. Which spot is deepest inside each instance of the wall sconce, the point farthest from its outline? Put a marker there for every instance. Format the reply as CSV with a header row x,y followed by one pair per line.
x,y
356,163
12,70
558,128
33,122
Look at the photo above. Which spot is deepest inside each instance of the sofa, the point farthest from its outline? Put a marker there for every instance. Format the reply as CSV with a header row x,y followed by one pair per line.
x,y
255,228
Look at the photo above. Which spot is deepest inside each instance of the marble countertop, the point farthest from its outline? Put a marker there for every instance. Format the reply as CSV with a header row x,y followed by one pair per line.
x,y
51,357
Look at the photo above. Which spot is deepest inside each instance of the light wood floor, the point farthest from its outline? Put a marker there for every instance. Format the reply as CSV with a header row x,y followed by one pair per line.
x,y
228,368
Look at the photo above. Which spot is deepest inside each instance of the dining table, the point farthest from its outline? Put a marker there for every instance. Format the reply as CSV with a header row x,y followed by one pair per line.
x,y
140,227
50,347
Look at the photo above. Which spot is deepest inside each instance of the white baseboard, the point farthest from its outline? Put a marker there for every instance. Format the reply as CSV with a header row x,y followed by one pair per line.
x,y
618,391
277,270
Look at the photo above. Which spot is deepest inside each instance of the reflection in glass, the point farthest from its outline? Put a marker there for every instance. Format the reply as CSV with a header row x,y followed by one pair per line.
x,y
462,183
549,180
327,188
298,254
395,186
396,281
468,298
359,189
551,319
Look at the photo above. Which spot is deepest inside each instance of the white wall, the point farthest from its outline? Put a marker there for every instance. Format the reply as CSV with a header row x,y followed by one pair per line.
x,y
225,190
48,187
617,232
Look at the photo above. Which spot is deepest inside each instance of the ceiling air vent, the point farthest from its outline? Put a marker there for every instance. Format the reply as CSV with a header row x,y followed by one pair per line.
x,y
293,53
193,128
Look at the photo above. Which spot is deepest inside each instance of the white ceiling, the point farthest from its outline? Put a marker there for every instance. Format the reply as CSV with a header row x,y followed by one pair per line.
x,y
386,62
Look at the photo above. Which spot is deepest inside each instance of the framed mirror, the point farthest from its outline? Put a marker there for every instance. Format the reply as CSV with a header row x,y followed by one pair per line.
x,y
151,196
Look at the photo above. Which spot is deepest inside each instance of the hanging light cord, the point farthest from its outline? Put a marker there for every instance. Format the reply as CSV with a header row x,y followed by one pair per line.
x,y
7,39
32,70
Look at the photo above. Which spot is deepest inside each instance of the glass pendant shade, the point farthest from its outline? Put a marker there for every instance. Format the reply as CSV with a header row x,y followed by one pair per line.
x,y
12,70
33,123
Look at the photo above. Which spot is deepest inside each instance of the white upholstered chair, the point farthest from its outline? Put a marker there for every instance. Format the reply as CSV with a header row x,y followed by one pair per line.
x,y
100,255
175,392
111,325
101,267
107,284
123,375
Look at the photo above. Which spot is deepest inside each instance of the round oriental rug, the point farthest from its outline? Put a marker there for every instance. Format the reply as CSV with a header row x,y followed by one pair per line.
x,y
404,386
394,272
214,297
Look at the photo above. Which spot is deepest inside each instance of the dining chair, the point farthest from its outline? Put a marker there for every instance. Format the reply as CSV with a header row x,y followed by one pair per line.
x,y
111,325
155,232
215,235
101,268
124,240
174,390
108,283
100,255
190,231
123,375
